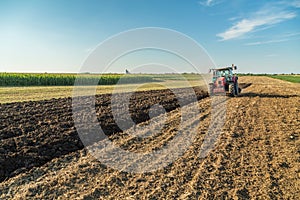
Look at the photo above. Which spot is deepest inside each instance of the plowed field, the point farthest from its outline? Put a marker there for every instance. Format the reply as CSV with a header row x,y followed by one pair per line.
x,y
257,154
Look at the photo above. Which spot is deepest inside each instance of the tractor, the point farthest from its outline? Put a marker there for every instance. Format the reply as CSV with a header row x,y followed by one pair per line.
x,y
224,82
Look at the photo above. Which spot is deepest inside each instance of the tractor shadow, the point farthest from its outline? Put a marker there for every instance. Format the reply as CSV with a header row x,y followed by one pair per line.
x,y
264,95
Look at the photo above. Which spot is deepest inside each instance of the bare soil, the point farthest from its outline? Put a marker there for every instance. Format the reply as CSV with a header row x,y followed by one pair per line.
x,y
257,154
33,133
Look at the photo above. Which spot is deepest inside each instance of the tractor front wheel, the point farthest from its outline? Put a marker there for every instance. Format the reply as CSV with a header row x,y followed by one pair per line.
x,y
211,89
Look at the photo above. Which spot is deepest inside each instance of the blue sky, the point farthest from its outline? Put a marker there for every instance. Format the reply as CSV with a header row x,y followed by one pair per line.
x,y
58,35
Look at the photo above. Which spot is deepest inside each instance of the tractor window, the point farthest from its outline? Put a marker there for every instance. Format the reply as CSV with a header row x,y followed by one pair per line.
x,y
228,73
224,73
219,73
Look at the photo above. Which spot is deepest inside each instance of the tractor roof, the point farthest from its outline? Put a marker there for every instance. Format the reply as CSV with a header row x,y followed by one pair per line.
x,y
222,69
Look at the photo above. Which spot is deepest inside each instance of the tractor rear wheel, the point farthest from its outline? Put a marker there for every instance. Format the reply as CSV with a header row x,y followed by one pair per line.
x,y
232,92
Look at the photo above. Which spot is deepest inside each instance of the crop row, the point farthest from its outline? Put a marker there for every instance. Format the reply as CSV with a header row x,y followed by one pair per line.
x,y
27,79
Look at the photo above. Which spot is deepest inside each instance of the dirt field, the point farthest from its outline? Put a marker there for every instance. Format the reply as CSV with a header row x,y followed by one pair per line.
x,y
256,156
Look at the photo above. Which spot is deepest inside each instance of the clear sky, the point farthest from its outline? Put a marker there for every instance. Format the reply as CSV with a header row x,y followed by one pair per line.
x,y
57,35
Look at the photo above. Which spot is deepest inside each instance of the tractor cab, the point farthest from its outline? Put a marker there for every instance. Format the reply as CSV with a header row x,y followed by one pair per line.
x,y
223,72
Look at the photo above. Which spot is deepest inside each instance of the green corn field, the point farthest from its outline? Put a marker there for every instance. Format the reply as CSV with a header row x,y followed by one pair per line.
x,y
31,79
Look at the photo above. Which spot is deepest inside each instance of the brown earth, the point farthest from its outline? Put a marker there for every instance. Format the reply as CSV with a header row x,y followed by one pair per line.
x,y
33,133
257,154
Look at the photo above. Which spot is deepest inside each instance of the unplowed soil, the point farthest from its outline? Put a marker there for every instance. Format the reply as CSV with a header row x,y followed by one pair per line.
x,y
257,154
